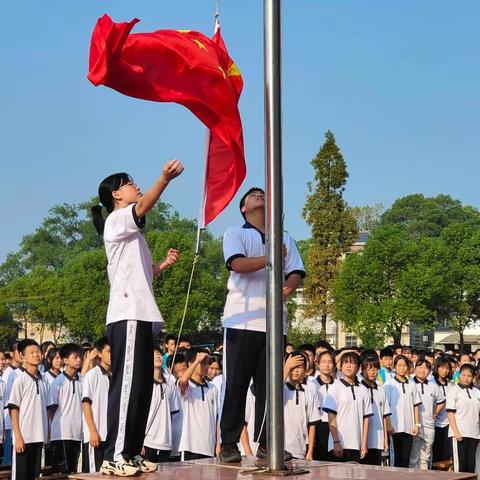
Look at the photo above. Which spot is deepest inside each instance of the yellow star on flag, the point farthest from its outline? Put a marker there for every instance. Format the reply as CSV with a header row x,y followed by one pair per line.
x,y
201,46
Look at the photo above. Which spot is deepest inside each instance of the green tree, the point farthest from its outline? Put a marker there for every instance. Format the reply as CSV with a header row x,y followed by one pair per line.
x,y
8,327
333,228
390,284
428,216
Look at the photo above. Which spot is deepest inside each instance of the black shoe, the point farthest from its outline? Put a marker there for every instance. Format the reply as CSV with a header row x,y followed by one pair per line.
x,y
230,453
262,454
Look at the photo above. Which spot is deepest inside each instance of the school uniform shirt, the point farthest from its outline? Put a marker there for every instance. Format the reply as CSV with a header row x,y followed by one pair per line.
x,y
351,404
9,375
3,404
200,412
95,386
431,396
66,393
322,392
301,411
164,405
442,418
465,403
220,386
380,410
49,377
29,395
250,420
245,307
130,269
402,398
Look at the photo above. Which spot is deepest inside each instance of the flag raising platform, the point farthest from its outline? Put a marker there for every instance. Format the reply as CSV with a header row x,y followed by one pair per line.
x,y
212,469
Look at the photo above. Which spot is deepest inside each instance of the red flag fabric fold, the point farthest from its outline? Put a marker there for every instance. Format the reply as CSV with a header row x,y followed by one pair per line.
x,y
184,67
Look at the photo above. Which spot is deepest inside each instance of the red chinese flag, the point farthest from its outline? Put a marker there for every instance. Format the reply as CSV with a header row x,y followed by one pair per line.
x,y
184,67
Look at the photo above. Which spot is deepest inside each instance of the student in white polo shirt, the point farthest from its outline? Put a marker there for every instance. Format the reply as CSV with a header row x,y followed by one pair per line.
x,y
8,377
53,365
433,402
28,409
96,384
199,400
325,363
300,407
404,403
349,409
244,321
65,411
164,406
442,446
377,430
463,409
3,404
131,315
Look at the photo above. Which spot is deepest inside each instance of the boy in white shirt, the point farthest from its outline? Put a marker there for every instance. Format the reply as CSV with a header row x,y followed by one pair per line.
x,y
65,411
164,406
28,410
96,384
300,407
200,408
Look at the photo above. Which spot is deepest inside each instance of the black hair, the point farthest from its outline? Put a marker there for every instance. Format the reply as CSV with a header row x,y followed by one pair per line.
x,y
307,347
184,339
157,348
470,368
105,190
441,361
27,342
301,353
13,345
423,361
325,352
48,360
370,361
191,354
69,348
170,337
415,351
44,346
401,357
322,344
242,200
179,358
288,343
368,353
216,359
101,343
386,352
352,356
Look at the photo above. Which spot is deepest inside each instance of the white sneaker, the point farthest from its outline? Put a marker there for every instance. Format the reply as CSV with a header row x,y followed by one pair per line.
x,y
144,465
122,468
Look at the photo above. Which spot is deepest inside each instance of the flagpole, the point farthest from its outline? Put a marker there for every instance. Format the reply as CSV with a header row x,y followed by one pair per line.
x,y
274,234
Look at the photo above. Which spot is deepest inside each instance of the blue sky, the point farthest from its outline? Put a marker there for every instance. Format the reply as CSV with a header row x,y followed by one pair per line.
x,y
397,82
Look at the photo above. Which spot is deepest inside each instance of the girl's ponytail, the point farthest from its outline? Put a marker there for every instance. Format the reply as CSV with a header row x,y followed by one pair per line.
x,y
98,219
105,190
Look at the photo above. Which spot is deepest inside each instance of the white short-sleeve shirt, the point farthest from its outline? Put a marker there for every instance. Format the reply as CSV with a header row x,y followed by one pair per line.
x,y
96,384
380,410
245,307
200,412
322,392
464,402
403,397
164,405
431,396
301,411
49,377
130,269
29,395
9,375
351,404
66,393
3,404
442,417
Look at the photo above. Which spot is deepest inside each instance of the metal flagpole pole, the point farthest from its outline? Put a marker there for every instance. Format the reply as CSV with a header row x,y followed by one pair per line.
x,y
274,234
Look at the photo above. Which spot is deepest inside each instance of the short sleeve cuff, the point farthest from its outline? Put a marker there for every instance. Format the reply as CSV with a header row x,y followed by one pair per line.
x,y
12,406
229,261
298,272
452,410
139,222
87,400
329,410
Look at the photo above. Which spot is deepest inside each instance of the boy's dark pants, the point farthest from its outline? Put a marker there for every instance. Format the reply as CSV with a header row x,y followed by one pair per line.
x,y
130,394
92,458
244,358
26,465
65,454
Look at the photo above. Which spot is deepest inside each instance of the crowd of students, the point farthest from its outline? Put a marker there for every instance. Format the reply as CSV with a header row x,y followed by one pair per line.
x,y
396,406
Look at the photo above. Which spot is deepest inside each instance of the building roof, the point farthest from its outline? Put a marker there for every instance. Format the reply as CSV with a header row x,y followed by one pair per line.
x,y
454,339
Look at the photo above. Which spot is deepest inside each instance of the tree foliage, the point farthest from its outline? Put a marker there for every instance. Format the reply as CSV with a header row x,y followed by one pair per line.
x,y
333,228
